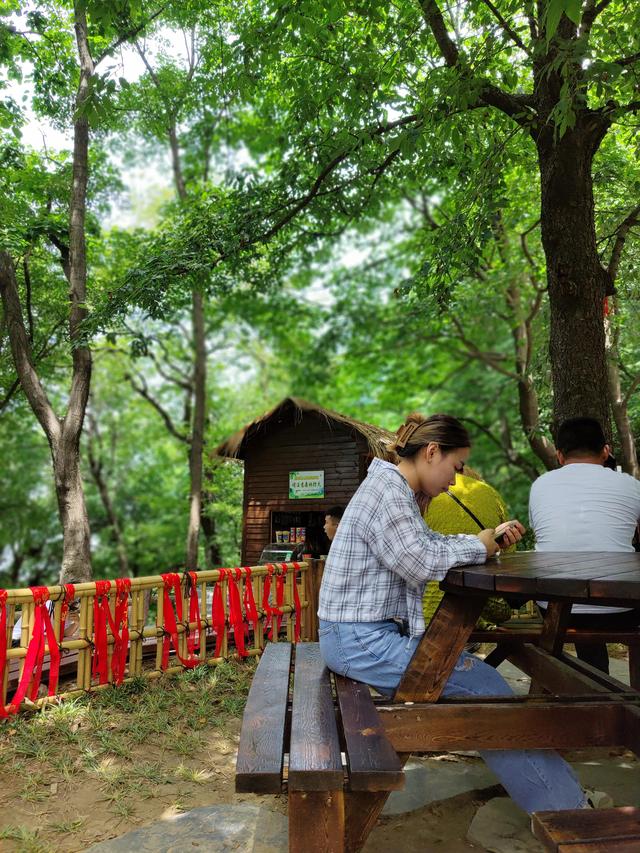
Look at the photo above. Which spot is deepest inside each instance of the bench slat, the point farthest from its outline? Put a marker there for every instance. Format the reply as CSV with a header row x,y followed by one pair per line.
x,y
373,763
314,754
590,830
262,747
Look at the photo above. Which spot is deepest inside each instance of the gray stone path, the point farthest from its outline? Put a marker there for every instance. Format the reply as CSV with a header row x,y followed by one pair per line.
x,y
242,828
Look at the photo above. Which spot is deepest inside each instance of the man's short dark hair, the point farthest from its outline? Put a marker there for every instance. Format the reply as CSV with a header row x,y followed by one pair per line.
x,y
335,512
580,436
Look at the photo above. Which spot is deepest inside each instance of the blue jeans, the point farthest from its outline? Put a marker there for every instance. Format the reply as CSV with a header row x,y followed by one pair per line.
x,y
377,653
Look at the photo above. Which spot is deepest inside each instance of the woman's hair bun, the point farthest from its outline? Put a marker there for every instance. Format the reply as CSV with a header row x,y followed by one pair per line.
x,y
417,431
415,418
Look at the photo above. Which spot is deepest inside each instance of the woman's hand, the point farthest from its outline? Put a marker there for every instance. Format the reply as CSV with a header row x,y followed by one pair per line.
x,y
511,531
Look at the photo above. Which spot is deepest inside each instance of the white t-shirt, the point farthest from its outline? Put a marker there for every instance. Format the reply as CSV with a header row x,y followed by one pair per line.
x,y
584,507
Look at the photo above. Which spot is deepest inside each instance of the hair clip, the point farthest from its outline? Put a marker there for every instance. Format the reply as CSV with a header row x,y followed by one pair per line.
x,y
404,434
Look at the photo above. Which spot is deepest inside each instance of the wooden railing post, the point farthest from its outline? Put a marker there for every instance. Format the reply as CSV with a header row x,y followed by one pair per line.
x,y
312,581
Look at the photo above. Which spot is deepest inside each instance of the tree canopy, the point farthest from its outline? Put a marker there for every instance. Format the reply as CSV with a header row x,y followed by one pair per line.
x,y
377,206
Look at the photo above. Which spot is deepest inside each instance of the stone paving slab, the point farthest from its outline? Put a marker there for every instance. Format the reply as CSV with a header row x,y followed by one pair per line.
x,y
499,826
429,780
242,828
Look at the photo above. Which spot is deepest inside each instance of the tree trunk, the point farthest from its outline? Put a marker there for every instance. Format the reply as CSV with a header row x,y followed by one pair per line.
x,y
626,449
197,434
196,447
97,472
626,441
527,396
211,548
62,436
577,281
76,559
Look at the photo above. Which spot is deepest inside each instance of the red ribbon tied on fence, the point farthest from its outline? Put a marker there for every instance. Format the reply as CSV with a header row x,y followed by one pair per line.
x,y
269,611
249,602
120,629
54,666
42,633
236,619
296,602
172,581
194,638
69,595
280,578
3,646
101,618
218,617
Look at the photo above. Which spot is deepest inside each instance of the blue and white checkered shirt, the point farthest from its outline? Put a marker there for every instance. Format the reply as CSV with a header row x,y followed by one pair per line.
x,y
384,554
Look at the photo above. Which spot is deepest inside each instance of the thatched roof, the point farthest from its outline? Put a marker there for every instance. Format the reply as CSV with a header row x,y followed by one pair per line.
x,y
378,439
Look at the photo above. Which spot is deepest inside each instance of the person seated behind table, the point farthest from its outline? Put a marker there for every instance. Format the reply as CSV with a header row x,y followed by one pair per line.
x,y
332,520
585,506
470,505
374,578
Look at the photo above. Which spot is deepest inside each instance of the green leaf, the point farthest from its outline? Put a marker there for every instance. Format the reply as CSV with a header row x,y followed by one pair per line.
x,y
552,19
572,10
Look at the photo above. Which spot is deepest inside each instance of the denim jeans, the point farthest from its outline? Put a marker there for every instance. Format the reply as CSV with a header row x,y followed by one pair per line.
x,y
377,653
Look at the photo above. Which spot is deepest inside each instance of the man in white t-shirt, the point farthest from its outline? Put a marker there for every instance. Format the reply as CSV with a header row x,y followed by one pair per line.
x,y
586,506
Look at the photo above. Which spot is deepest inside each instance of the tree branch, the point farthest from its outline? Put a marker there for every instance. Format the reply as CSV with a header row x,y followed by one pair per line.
x,y
513,35
433,17
486,357
515,106
166,417
622,232
300,203
631,107
630,390
28,294
627,60
21,351
81,355
591,12
44,350
512,456
130,34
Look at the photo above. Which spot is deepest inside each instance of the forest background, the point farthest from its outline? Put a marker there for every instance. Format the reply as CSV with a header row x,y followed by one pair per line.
x,y
379,207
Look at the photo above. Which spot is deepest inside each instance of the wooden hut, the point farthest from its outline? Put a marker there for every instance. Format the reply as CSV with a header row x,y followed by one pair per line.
x,y
300,460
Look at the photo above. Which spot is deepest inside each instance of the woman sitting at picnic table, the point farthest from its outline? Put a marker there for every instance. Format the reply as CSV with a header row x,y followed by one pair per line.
x,y
370,610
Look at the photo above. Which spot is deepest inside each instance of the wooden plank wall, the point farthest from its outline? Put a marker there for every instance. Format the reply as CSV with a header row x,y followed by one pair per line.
x,y
311,445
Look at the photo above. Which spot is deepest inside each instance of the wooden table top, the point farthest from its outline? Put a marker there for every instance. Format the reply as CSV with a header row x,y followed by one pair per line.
x,y
607,578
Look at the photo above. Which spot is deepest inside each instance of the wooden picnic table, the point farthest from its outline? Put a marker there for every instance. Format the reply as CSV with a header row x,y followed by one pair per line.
x,y
572,705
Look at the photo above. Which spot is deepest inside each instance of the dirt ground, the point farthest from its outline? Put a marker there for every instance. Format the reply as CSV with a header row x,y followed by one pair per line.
x,y
96,768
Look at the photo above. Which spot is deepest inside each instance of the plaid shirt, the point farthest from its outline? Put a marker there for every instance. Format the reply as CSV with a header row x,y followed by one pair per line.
x,y
384,554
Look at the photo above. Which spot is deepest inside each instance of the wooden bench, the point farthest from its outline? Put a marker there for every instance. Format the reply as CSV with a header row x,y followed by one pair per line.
x,y
506,636
589,831
329,753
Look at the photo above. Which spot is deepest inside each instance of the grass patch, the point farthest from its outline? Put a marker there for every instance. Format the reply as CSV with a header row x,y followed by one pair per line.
x,y
92,739
27,839
67,827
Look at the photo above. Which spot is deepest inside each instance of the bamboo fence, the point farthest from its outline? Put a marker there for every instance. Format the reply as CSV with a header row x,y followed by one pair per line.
x,y
147,632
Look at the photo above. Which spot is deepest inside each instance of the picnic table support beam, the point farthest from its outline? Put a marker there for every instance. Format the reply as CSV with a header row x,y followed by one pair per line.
x,y
440,648
555,624
554,675
529,724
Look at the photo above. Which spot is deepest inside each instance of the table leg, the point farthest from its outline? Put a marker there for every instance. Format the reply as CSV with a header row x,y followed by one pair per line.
x,y
554,626
440,648
362,809
316,822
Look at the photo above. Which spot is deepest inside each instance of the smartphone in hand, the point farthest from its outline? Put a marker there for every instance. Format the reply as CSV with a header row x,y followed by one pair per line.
x,y
499,538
